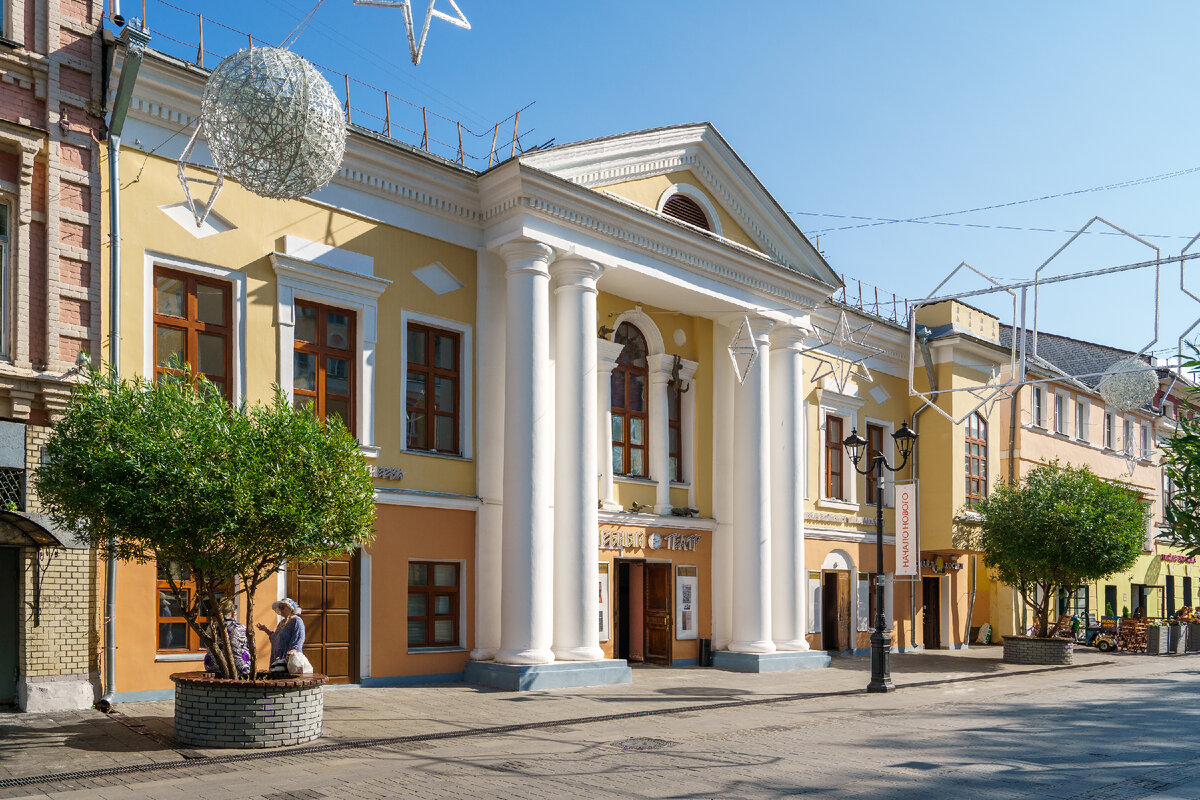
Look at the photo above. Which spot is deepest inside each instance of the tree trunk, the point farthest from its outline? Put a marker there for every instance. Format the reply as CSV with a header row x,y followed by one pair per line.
x,y
222,650
250,632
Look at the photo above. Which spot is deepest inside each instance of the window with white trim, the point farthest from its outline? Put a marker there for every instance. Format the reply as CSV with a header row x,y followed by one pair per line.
x,y
1060,413
1127,436
1146,450
1109,430
1039,407
1081,421
5,294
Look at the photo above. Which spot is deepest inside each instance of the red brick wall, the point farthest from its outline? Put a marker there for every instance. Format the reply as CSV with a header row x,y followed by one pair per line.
x,y
37,292
39,185
74,272
17,103
74,196
10,167
75,82
75,234
75,45
69,347
31,27
79,9
75,156
75,312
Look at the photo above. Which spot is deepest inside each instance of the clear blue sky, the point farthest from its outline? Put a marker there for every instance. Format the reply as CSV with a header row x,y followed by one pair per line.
x,y
876,109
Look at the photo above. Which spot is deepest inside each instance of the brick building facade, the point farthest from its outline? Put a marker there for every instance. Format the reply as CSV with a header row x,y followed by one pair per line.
x,y
50,118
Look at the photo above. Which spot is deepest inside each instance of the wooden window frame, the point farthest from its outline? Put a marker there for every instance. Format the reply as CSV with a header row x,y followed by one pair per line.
x,y
321,350
191,326
874,448
430,591
187,585
834,467
626,414
975,484
431,372
675,404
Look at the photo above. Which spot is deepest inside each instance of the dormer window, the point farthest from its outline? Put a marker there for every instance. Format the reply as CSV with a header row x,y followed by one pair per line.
x,y
682,207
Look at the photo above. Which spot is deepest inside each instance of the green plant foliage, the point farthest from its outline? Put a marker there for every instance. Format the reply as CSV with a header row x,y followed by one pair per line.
x,y
170,472
1181,455
1057,528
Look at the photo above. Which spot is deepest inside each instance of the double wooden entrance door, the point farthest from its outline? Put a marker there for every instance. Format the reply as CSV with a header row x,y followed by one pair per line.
x,y
931,611
835,611
642,617
328,595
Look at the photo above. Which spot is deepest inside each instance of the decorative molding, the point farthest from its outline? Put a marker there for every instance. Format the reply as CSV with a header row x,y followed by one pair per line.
x,y
419,499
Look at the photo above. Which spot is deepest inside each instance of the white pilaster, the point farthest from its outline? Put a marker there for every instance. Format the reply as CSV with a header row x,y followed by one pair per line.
x,y
659,433
789,579
752,502
607,353
489,519
723,383
576,526
526,607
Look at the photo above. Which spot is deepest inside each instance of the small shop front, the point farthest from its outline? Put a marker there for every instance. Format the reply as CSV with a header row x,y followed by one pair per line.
x,y
655,593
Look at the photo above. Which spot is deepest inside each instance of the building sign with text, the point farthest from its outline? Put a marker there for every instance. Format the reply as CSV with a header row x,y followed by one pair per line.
x,y
613,538
908,549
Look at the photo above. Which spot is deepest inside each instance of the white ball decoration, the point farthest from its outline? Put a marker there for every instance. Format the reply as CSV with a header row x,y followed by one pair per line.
x,y
1129,384
273,122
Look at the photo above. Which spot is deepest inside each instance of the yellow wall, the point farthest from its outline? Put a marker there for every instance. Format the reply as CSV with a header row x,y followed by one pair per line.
x,y
261,225
647,191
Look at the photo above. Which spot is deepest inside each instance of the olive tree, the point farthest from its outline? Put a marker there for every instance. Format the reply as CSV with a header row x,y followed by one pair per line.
x,y
170,472
1181,457
1059,527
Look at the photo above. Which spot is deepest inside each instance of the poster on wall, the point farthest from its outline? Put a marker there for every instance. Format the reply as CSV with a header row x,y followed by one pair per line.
x,y
687,589
908,546
814,605
605,628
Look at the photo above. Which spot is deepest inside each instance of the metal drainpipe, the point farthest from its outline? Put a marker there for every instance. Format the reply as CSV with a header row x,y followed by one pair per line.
x,y
923,338
135,40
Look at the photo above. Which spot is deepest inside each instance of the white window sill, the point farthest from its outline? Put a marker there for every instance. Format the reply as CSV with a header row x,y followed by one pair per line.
x,y
434,454
454,649
837,505
634,480
179,657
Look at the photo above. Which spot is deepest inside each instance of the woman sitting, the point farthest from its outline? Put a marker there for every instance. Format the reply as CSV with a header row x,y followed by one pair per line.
x,y
237,639
288,637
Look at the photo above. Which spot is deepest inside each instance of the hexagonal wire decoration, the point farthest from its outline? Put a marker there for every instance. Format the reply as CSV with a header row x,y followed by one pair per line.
x,y
272,122
742,350
417,46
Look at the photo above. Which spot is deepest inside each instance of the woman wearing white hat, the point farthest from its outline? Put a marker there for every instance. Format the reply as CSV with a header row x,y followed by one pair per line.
x,y
287,640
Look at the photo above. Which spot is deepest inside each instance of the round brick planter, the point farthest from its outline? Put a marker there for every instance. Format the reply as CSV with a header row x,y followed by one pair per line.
x,y
1027,650
217,712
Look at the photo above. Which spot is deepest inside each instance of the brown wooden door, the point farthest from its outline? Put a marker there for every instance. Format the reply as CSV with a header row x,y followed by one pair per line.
x,y
931,608
657,610
843,611
634,616
328,595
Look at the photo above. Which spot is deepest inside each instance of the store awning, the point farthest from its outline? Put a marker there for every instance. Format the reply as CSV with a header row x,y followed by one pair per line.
x,y
27,529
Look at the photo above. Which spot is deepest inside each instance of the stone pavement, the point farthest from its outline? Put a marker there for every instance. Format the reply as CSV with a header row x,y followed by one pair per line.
x,y
963,726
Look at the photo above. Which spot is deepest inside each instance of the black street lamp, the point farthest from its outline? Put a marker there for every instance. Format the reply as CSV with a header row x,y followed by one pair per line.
x,y
881,639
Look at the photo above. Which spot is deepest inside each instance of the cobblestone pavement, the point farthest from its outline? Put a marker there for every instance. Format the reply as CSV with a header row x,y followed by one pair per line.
x,y
963,725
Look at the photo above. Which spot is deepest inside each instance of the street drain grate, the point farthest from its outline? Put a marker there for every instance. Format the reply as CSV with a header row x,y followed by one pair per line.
x,y
642,744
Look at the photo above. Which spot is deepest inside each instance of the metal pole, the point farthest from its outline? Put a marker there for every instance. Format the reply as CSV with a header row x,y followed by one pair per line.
x,y
516,122
387,113
347,99
200,47
492,152
881,640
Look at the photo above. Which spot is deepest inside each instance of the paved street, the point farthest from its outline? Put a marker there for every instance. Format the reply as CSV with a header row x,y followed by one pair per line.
x,y
963,726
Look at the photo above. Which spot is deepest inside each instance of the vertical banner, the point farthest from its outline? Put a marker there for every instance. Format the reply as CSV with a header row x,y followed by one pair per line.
x,y
814,601
687,587
908,546
605,628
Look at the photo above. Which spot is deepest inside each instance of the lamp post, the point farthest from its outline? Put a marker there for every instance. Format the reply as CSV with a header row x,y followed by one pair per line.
x,y
881,640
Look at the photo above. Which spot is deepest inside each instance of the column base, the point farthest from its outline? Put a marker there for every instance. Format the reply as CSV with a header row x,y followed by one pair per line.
x,y
522,658
559,675
794,646
579,654
611,505
663,509
483,653
770,662
763,646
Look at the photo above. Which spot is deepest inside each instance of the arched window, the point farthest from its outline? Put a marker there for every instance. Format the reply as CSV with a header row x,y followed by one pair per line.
x,y
976,460
629,381
680,206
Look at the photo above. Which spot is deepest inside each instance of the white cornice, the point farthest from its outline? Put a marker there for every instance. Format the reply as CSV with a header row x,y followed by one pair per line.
x,y
656,521
298,270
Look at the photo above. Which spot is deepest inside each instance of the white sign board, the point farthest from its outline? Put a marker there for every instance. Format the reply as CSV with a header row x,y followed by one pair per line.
x,y
908,545
687,587
605,627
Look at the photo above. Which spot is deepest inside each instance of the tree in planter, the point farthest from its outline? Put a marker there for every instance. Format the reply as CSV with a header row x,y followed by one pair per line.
x,y
1181,455
1058,527
174,474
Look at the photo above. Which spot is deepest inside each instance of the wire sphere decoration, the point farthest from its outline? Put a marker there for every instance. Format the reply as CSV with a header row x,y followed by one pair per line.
x,y
1128,384
273,123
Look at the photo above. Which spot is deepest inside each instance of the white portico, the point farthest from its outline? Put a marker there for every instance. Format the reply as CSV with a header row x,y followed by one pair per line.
x,y
547,362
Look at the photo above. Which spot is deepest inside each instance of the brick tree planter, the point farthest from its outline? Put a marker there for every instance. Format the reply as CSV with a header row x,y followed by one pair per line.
x,y
216,712
1027,650
1178,638
1157,640
1193,637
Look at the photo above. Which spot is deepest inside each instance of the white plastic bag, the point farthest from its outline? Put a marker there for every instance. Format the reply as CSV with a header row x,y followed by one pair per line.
x,y
298,664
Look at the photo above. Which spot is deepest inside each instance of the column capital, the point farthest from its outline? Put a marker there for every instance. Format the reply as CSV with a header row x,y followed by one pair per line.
x,y
607,353
572,271
526,255
660,365
760,325
790,337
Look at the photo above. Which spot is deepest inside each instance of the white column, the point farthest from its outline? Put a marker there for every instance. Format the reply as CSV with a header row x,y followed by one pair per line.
x,y
723,383
489,455
752,502
607,354
659,434
789,580
576,526
526,606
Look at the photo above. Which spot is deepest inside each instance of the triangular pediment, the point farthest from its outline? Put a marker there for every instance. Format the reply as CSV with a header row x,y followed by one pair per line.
x,y
646,167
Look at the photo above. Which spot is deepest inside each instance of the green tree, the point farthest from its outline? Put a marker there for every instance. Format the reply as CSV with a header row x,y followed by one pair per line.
x,y
174,474
1058,527
1181,455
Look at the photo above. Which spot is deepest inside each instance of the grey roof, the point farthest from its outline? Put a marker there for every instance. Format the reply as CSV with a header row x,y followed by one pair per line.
x,y
1073,357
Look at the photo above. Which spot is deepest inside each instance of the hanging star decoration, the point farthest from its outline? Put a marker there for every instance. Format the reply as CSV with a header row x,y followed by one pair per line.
x,y
988,394
847,355
416,46
742,350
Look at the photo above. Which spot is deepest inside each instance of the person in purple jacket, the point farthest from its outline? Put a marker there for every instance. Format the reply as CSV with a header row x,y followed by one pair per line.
x,y
288,636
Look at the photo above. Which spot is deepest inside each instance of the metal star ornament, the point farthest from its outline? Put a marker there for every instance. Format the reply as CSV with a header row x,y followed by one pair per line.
x,y
847,355
417,46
